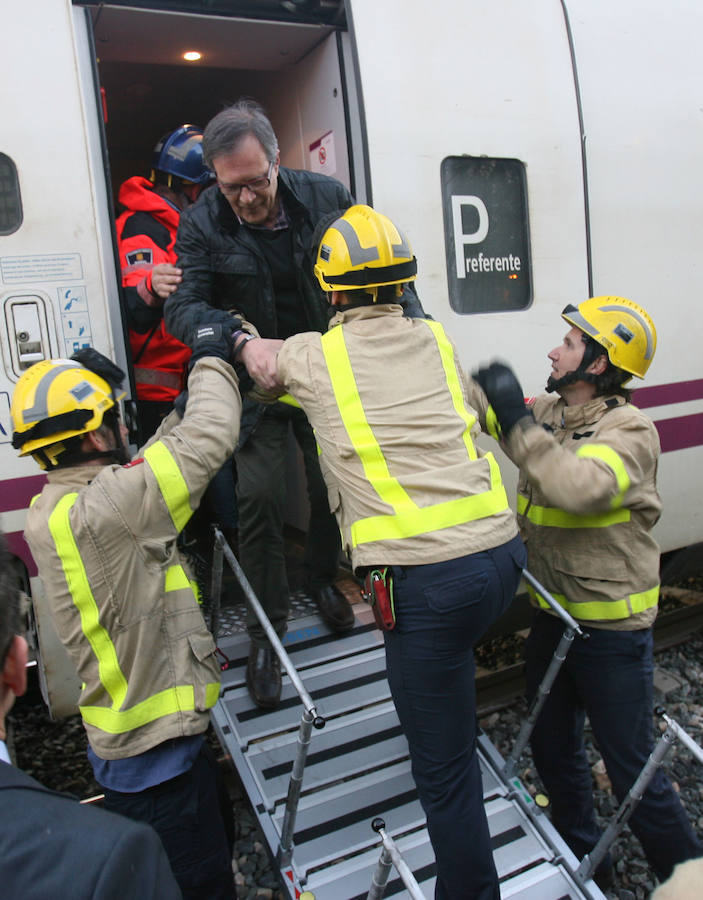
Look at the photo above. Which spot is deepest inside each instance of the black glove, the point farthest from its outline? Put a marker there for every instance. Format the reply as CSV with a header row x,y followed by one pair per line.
x,y
212,340
504,394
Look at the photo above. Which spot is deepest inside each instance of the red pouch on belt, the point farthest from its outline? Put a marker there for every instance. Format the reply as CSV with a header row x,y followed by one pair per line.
x,y
378,591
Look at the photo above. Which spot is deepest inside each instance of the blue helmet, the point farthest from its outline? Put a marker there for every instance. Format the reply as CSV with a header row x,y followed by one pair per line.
x,y
180,153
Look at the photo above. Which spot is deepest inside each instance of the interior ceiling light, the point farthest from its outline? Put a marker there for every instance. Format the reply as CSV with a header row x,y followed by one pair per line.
x,y
192,55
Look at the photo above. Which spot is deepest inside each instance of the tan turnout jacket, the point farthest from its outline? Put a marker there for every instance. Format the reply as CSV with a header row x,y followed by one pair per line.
x,y
387,399
587,503
104,538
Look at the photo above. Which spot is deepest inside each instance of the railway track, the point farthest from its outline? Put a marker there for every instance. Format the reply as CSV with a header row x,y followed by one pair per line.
x,y
498,688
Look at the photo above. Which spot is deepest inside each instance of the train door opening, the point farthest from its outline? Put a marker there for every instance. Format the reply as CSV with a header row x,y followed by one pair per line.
x,y
298,70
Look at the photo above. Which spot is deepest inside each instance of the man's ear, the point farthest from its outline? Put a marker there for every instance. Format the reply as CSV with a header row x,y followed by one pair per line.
x,y
599,365
14,672
94,440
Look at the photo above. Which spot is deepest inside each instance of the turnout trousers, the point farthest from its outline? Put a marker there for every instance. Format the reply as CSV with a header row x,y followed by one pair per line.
x,y
609,677
261,495
442,609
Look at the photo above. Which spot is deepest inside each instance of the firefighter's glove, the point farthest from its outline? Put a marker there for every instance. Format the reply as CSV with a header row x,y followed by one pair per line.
x,y
212,340
505,395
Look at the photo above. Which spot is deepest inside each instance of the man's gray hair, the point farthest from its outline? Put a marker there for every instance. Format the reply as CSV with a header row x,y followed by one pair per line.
x,y
228,128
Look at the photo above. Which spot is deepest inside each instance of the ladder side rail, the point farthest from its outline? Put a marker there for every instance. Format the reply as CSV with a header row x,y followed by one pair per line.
x,y
592,860
391,854
545,686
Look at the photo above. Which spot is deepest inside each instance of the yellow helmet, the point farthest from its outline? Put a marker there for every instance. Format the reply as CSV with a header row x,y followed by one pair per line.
x,y
363,250
54,401
621,326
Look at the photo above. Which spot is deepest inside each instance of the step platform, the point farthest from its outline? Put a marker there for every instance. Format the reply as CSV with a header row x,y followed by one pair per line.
x,y
358,768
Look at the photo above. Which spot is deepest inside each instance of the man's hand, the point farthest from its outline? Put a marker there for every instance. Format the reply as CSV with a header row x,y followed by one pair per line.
x,y
259,356
165,278
504,393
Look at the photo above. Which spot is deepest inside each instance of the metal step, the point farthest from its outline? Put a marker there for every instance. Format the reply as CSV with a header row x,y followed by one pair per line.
x,y
358,768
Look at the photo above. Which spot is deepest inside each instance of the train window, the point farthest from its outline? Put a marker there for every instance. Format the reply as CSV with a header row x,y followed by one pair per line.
x,y
486,234
10,201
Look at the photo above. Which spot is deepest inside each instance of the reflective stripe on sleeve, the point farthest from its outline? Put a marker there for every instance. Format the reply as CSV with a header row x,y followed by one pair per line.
x,y
552,517
109,670
603,610
177,580
614,462
492,424
171,483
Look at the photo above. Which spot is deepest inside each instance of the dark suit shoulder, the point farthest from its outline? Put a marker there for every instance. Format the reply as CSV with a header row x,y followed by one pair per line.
x,y
49,841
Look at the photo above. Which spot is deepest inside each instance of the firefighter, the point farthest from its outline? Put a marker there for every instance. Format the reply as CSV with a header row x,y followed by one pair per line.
x,y
146,234
422,512
587,503
103,533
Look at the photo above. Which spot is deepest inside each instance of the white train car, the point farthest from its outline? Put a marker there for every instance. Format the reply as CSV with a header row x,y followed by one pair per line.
x,y
536,154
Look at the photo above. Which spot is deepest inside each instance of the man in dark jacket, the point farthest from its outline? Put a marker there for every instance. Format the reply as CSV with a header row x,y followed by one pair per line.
x,y
245,249
49,843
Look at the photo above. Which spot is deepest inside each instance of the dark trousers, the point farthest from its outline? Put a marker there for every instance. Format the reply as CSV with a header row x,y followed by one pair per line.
x,y
609,678
261,494
193,818
442,609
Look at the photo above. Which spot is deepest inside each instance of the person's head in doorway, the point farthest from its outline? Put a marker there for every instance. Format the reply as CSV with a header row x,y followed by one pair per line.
x,y
240,146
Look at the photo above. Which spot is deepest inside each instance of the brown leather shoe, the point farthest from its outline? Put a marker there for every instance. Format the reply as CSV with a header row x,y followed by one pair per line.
x,y
264,676
334,608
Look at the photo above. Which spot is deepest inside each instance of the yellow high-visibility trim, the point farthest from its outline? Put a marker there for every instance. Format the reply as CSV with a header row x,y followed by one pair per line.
x,y
177,580
171,483
360,434
551,517
492,424
410,523
109,670
289,399
407,519
614,461
446,354
603,610
165,703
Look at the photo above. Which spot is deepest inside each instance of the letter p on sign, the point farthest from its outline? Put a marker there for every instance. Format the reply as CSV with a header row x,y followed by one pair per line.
x,y
460,239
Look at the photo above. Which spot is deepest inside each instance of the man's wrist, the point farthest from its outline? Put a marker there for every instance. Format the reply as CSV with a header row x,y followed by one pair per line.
x,y
239,339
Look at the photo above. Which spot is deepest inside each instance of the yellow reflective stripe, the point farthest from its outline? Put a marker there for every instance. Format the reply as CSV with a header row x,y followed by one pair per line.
x,y
109,670
410,523
360,434
446,354
408,519
171,483
34,499
172,700
613,461
492,424
551,517
604,610
177,580
290,400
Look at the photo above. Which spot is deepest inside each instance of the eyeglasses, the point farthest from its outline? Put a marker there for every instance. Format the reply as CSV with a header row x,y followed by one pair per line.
x,y
255,186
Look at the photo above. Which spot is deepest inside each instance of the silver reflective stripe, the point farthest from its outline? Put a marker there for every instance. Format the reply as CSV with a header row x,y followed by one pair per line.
x,y
357,253
578,320
40,410
156,376
616,307
402,250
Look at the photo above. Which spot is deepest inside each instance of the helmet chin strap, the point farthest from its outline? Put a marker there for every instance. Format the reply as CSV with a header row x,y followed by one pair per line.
x,y
580,374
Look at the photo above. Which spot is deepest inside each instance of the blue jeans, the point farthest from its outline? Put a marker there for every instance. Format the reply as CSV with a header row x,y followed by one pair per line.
x,y
609,678
442,609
